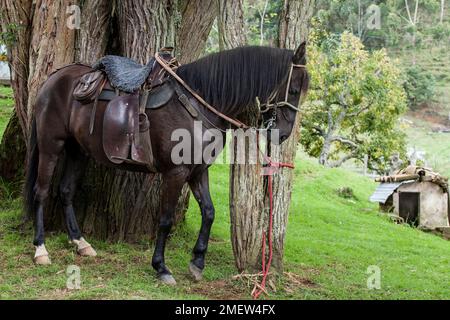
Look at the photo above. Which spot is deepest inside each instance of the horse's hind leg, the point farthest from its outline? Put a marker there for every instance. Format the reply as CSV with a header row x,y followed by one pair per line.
x,y
170,192
73,172
48,157
200,189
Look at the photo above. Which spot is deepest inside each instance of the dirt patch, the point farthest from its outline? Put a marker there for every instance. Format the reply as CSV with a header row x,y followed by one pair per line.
x,y
220,290
294,282
435,115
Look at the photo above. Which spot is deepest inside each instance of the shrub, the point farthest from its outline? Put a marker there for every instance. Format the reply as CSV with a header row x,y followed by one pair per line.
x,y
419,86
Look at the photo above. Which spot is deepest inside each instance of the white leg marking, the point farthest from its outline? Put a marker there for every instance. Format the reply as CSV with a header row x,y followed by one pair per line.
x,y
41,255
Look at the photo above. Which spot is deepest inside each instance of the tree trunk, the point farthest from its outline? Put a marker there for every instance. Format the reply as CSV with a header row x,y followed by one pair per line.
x,y
294,29
249,202
93,36
52,45
325,152
18,12
90,44
191,47
247,206
231,24
42,43
13,144
246,183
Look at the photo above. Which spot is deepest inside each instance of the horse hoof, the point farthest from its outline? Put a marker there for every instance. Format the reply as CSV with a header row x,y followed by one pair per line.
x,y
42,260
167,279
196,272
41,256
84,248
87,252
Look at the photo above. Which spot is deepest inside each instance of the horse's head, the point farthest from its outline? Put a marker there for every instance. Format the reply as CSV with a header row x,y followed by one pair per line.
x,y
281,112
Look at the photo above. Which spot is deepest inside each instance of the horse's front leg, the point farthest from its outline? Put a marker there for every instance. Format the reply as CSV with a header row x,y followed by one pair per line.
x,y
170,192
200,188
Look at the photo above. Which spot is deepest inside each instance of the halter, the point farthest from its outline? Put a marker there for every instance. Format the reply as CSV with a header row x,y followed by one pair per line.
x,y
266,107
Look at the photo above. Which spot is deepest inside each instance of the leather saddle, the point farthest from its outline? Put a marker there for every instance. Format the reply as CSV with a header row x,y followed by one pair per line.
x,y
126,136
125,132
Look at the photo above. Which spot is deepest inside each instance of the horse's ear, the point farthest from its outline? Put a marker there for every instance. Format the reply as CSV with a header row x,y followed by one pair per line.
x,y
300,54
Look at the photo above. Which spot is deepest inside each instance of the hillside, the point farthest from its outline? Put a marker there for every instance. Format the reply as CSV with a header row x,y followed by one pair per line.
x,y
424,126
330,243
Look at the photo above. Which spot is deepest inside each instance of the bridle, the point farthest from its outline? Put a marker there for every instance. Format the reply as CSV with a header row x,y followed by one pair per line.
x,y
273,106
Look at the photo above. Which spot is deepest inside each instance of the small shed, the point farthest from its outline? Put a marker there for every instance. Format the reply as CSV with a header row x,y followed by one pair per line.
x,y
415,195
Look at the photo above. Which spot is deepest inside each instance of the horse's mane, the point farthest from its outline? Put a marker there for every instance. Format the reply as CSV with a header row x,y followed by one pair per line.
x,y
233,78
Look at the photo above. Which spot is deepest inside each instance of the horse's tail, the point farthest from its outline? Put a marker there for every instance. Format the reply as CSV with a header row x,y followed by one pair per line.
x,y
31,172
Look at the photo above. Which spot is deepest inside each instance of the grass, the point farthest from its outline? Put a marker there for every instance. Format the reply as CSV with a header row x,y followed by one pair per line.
x,y
435,144
6,107
331,242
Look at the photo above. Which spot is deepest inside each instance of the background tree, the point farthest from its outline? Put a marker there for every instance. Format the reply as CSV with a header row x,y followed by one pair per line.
x,y
231,24
419,86
355,100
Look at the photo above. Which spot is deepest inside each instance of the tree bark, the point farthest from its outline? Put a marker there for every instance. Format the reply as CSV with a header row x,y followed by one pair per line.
x,y
18,12
198,18
231,24
90,44
52,45
13,144
93,36
41,45
146,26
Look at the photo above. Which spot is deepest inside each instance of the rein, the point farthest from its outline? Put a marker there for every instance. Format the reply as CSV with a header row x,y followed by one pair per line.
x,y
260,288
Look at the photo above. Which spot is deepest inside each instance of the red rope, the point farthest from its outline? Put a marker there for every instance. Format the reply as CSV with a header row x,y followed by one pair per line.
x,y
257,291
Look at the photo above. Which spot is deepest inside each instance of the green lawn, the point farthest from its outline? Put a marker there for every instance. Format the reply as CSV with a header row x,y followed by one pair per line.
x,y
330,244
435,144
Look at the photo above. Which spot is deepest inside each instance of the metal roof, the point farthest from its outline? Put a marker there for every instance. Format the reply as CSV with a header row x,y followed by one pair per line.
x,y
385,190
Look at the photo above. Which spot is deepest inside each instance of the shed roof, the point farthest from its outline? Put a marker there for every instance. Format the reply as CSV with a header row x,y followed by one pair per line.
x,y
385,190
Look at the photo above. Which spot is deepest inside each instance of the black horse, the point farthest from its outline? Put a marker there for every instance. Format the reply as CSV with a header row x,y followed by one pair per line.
x,y
230,81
